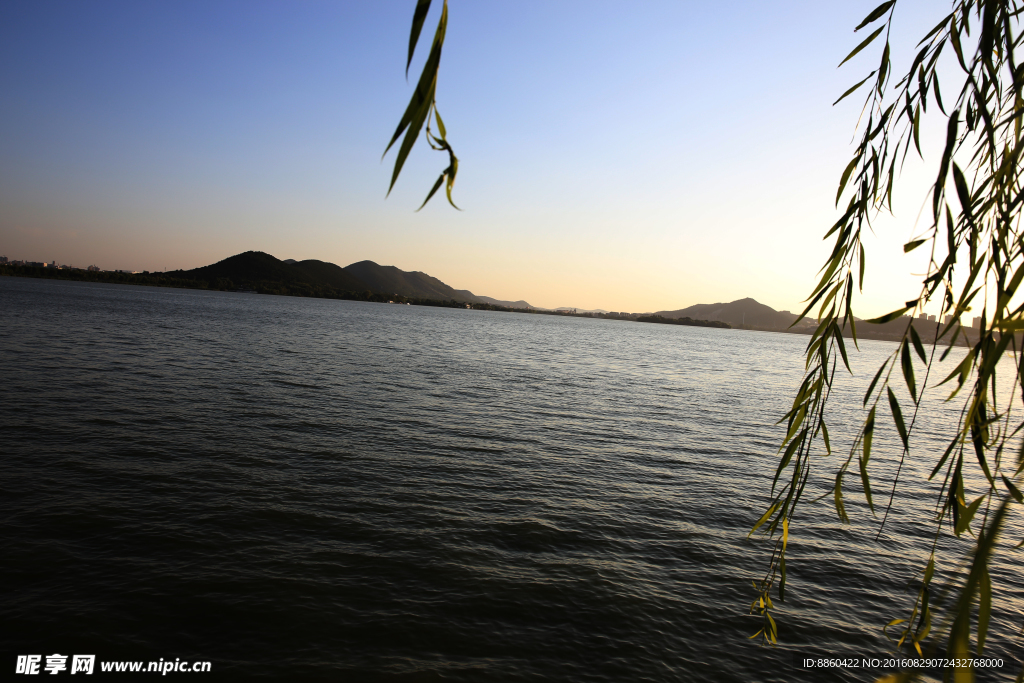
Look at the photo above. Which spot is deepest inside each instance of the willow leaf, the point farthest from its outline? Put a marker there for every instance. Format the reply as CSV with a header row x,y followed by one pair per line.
x,y
951,130
853,89
954,38
418,17
1014,491
966,515
907,364
782,579
888,317
764,518
918,346
871,387
846,177
875,14
837,494
434,189
440,123
869,433
963,193
838,336
897,416
864,44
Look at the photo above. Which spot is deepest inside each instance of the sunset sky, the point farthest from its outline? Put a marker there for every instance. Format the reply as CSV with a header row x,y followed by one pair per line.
x,y
628,157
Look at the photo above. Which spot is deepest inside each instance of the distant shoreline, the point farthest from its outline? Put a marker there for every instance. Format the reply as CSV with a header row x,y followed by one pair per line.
x,y
326,292
277,288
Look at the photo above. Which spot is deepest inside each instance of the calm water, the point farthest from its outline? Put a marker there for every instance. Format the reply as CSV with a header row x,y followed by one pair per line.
x,y
310,489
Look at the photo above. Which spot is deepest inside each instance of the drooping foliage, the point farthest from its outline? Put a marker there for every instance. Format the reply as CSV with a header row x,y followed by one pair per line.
x,y
423,104
975,266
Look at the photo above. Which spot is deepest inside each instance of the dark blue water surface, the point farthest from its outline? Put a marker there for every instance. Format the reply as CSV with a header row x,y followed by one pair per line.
x,y
299,489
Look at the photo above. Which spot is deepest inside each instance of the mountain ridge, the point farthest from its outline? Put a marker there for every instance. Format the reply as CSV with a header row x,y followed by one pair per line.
x,y
257,269
742,312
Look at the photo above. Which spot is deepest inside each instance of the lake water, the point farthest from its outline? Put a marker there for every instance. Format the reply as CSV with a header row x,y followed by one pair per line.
x,y
301,489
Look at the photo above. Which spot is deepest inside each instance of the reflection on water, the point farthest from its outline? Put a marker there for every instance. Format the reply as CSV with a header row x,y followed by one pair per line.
x,y
324,489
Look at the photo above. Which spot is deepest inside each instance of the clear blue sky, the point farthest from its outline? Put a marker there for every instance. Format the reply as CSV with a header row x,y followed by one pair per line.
x,y
621,156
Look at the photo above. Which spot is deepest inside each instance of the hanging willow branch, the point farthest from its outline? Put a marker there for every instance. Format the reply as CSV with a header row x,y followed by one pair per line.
x,y
423,104
975,227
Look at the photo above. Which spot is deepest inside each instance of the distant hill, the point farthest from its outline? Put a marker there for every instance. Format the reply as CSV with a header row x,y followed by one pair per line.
x,y
743,312
391,280
331,275
507,304
751,314
256,268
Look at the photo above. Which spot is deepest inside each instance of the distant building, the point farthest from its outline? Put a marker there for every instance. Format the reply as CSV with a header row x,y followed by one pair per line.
x,y
977,323
947,320
94,269
3,259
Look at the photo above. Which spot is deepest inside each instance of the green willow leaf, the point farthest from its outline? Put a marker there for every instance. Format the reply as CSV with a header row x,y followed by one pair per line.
x,y
774,630
453,169
782,578
911,246
838,336
440,123
963,193
871,387
863,260
907,365
764,518
918,346
966,515
864,44
837,495
416,122
853,89
434,189
897,417
883,71
938,93
888,317
938,27
793,446
917,131
418,17
846,177
951,130
954,38
869,433
987,31
875,14
1014,491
